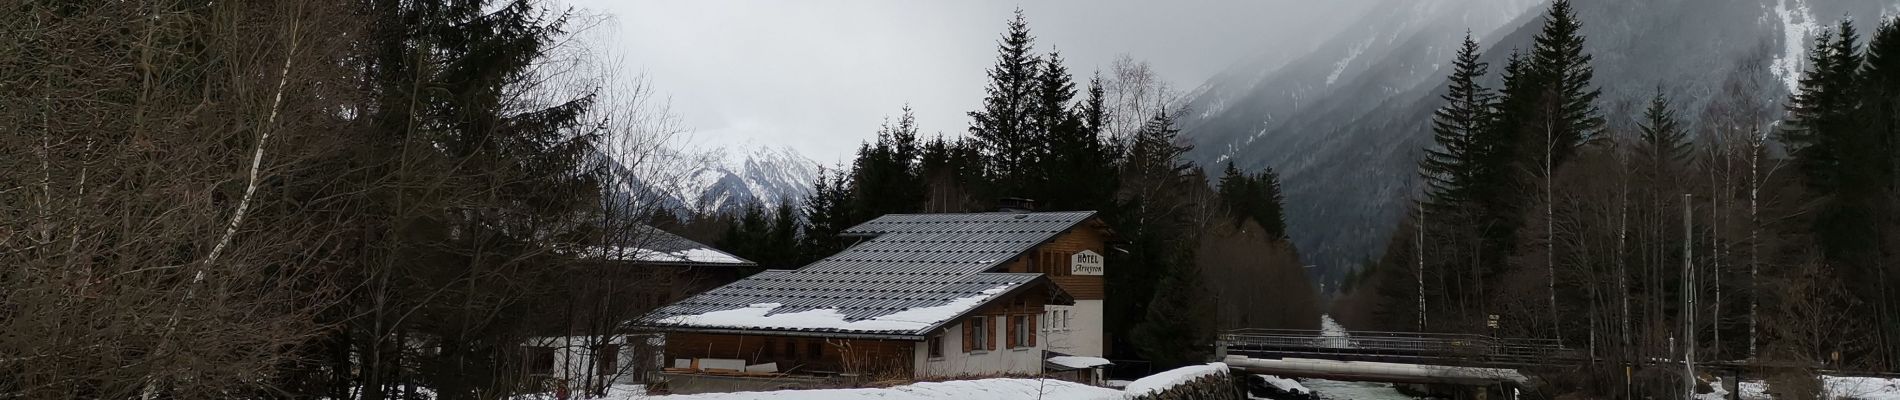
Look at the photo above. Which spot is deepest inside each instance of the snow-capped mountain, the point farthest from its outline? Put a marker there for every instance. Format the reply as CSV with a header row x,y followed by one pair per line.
x,y
1358,108
719,180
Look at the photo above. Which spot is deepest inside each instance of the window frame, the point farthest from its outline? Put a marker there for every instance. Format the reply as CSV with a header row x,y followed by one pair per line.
x,y
607,359
1019,331
979,333
538,360
933,347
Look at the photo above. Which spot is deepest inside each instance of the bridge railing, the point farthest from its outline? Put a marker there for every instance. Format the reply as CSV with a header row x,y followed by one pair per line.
x,y
1364,344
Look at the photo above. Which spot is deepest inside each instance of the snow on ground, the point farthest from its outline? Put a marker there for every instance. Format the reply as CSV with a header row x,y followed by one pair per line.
x,y
1174,377
1838,387
985,389
760,316
1078,361
1796,24
1850,387
1285,385
1354,52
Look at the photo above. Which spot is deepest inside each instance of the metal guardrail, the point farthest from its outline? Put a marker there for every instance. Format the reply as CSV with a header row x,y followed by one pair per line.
x,y
1397,346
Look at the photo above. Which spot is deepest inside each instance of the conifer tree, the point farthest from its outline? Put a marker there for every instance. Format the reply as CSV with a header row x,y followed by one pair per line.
x,y
1662,143
1078,163
950,169
886,173
1004,128
828,212
1254,197
1567,116
1880,82
1458,162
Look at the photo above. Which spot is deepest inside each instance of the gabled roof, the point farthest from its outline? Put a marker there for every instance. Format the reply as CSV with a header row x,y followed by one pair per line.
x,y
968,242
912,274
649,245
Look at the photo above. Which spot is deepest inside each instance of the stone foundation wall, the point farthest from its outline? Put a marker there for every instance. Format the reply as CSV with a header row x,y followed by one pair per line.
x,y
1211,387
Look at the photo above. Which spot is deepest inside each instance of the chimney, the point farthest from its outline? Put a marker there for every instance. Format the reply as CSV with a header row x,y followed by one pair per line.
x,y
1015,205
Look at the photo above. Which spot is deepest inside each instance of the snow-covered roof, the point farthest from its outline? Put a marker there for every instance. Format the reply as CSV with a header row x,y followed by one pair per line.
x,y
904,304
654,246
760,315
912,273
1078,361
1175,377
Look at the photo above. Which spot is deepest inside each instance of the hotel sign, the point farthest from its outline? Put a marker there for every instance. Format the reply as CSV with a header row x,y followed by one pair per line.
x,y
1085,263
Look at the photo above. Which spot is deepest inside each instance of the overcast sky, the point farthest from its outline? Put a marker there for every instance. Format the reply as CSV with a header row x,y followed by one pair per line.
x,y
820,76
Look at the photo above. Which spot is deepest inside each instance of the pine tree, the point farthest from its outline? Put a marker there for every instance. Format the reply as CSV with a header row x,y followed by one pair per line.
x,y
1834,137
1152,218
1078,161
1663,146
1567,116
886,172
1271,212
1821,112
1254,197
1458,162
1880,82
949,170
828,213
1004,129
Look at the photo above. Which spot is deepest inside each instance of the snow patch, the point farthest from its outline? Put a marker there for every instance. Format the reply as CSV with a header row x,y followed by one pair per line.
x,y
1175,377
699,255
1078,361
1796,24
760,316
1838,388
989,389
1340,67
1863,388
1285,385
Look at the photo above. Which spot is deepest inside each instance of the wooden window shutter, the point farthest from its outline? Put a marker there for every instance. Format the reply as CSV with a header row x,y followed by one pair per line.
x,y
991,343
1032,332
1010,331
969,337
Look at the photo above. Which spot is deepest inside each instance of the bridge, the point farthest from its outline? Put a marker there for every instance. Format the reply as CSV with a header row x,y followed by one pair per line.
x,y
1476,362
1445,349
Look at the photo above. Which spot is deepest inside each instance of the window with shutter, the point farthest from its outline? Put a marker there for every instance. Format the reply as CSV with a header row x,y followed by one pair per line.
x,y
1032,333
1023,330
983,337
1010,330
969,335
989,332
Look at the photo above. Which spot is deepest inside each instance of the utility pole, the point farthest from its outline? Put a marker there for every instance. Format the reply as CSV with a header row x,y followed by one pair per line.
x,y
1420,249
1688,299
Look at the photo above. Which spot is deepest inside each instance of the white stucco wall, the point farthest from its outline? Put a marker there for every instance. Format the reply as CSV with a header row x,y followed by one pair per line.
x,y
955,362
574,357
1080,334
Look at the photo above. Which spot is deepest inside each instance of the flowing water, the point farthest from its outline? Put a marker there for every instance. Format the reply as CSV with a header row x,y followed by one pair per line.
x,y
1335,336
1344,390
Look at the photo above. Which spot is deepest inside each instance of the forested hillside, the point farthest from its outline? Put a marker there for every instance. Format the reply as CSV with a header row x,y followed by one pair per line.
x,y
1749,232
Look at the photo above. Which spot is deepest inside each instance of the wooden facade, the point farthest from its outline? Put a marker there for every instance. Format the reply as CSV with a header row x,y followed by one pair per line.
x,y
1052,259
797,354
1004,313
